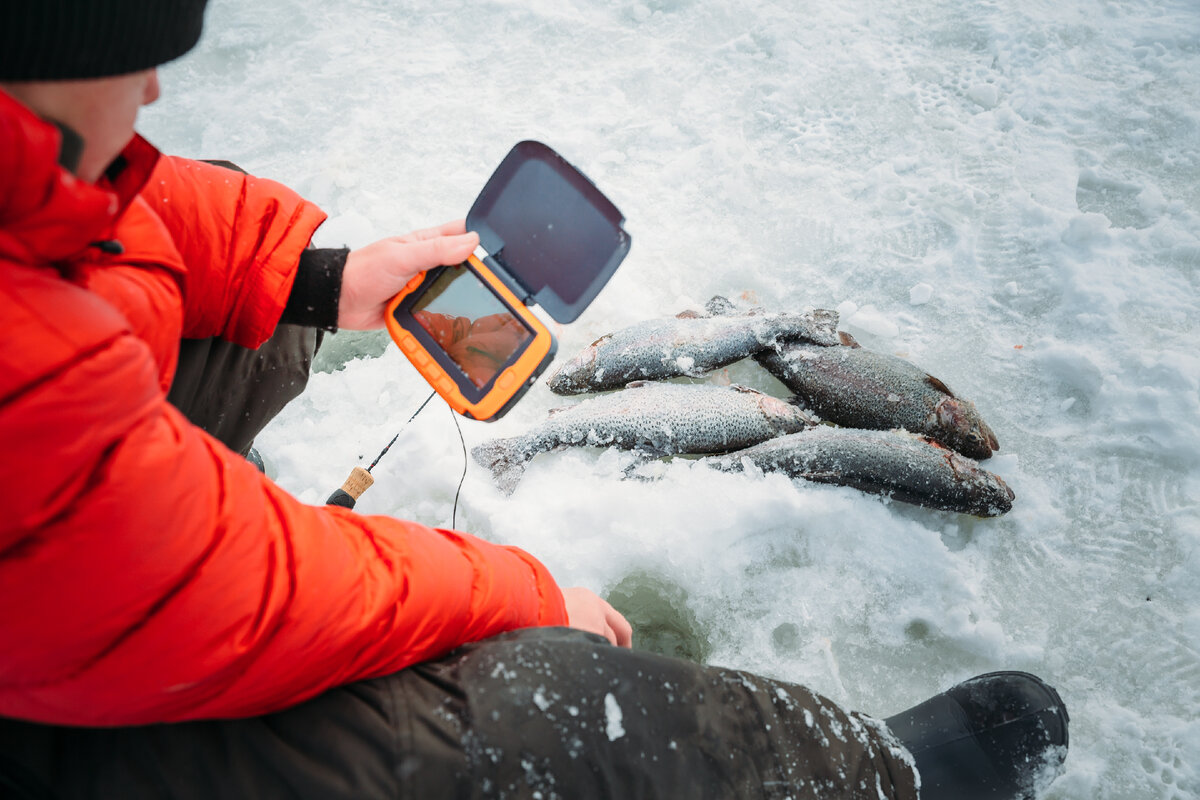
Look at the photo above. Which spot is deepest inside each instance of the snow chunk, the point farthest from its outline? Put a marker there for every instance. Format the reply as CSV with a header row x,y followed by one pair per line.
x,y
984,94
1087,229
920,294
871,320
613,718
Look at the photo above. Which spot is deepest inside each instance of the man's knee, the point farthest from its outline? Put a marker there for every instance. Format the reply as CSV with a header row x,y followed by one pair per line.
x,y
232,392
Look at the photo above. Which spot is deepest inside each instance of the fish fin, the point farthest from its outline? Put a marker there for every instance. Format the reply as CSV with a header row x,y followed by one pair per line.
x,y
720,378
639,384
799,402
821,476
824,322
737,387
505,459
644,469
601,340
848,340
719,306
937,384
646,452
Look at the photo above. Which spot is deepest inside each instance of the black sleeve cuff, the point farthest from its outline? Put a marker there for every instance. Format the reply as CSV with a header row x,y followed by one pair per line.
x,y
314,298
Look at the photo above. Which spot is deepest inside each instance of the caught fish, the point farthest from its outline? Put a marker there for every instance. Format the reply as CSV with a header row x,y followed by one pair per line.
x,y
689,344
859,388
655,418
898,464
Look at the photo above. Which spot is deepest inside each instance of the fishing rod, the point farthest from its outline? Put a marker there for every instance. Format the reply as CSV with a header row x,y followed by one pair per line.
x,y
361,479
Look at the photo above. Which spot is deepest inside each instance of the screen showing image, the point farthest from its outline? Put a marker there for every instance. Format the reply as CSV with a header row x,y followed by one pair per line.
x,y
470,323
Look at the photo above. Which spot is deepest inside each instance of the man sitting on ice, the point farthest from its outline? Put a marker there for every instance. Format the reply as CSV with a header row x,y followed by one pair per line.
x,y
176,625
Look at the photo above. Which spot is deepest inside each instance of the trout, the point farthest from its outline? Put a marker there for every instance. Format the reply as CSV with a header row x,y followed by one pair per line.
x,y
686,345
859,388
902,465
655,418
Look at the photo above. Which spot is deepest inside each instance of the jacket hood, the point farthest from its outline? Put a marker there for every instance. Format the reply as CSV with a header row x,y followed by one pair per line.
x,y
46,213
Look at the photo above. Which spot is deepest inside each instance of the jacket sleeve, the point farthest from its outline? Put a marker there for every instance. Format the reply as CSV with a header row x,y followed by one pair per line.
x,y
241,238
149,574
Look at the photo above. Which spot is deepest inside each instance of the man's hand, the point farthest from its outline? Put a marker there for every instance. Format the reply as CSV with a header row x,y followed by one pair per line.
x,y
376,273
588,612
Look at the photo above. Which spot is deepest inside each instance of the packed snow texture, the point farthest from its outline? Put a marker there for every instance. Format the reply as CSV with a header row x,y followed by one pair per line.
x,y
1008,194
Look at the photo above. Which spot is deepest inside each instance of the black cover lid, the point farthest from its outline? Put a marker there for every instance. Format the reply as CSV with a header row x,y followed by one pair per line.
x,y
552,236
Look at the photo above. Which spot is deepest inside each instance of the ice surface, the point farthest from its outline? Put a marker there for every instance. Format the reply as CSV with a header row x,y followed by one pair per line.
x,y
1036,164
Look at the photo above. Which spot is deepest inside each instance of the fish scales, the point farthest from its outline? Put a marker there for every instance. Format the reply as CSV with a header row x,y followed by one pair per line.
x,y
685,346
658,418
902,465
860,388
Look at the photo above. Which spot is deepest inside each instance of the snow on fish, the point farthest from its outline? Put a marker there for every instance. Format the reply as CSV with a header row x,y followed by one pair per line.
x,y
686,345
902,465
654,418
860,388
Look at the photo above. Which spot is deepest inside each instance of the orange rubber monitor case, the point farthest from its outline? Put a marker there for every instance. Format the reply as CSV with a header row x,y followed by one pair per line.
x,y
547,236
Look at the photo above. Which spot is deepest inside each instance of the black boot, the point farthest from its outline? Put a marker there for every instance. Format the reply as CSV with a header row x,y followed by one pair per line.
x,y
255,458
999,735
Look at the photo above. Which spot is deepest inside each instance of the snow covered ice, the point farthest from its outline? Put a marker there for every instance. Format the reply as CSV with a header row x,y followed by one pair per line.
x,y
1007,194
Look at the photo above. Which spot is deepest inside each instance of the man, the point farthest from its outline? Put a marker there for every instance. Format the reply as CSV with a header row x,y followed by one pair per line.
x,y
176,625
480,347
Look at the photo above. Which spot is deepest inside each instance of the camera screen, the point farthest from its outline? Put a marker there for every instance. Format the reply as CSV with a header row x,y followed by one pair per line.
x,y
470,324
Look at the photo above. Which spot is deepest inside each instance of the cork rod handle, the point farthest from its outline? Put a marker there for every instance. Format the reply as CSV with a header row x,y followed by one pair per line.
x,y
359,481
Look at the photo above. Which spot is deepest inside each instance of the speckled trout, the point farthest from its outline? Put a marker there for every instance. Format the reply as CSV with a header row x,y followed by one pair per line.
x,y
689,344
858,388
898,464
655,418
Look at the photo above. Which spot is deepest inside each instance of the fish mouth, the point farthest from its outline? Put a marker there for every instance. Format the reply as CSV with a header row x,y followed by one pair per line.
x,y
992,441
977,447
966,432
990,495
573,376
1001,499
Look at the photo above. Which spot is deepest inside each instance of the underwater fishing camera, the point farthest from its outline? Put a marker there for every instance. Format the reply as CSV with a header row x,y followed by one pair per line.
x,y
547,236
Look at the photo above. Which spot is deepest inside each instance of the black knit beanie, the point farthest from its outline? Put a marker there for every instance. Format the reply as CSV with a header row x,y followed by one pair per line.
x,y
47,40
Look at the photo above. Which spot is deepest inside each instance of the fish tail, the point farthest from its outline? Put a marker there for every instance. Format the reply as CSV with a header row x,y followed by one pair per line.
x,y
825,322
505,459
719,306
811,418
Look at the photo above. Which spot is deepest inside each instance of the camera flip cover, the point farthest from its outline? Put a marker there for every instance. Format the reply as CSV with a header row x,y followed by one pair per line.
x,y
548,231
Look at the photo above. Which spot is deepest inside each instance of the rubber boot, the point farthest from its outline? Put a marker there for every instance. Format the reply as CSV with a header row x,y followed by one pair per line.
x,y
1002,735
255,458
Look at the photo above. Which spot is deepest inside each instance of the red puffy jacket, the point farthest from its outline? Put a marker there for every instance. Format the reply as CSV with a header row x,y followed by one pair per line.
x,y
147,573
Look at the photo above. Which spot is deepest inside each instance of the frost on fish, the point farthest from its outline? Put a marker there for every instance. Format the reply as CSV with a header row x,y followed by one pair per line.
x,y
901,465
686,345
654,418
887,397
855,387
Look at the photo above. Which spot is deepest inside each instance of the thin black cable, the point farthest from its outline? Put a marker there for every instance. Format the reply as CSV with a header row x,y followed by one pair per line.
x,y
454,513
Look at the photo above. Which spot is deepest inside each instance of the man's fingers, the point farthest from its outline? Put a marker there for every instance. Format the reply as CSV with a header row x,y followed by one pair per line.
x,y
453,228
621,629
587,611
610,634
438,251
